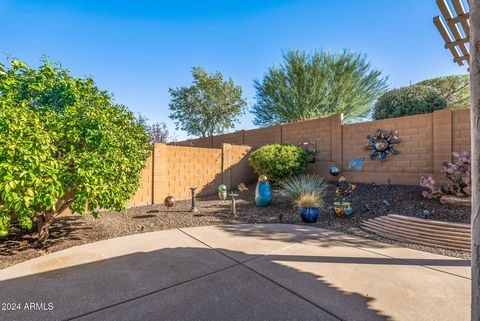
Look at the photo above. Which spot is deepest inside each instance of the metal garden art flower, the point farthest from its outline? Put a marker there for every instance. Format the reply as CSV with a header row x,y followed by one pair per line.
x,y
343,190
381,144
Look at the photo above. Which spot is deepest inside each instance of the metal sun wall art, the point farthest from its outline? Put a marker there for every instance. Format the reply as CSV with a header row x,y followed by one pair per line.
x,y
381,144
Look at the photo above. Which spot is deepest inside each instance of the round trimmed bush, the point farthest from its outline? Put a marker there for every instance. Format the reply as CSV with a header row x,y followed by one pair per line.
x,y
406,101
278,161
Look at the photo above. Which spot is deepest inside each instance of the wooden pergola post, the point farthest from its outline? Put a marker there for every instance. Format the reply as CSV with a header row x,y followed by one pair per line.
x,y
450,30
475,149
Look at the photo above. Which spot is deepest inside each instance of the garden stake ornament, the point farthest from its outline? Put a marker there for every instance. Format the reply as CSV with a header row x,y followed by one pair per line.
x,y
334,171
233,208
193,209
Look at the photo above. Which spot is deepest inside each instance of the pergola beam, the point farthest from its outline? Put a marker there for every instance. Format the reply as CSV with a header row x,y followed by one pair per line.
x,y
442,29
455,43
462,16
447,15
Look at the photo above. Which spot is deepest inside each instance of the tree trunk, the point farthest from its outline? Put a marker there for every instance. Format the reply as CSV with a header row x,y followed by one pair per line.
x,y
43,228
475,140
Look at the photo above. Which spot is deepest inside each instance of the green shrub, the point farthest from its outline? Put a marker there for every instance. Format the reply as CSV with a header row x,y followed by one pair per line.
x,y
66,144
455,89
278,161
405,101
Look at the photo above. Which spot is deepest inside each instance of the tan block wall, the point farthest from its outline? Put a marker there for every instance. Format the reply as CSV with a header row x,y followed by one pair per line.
x,y
203,142
263,136
236,168
461,130
316,130
415,156
190,167
233,138
172,170
427,140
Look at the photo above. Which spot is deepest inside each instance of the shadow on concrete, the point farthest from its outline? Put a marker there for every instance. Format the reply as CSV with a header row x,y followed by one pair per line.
x,y
181,284
368,261
297,232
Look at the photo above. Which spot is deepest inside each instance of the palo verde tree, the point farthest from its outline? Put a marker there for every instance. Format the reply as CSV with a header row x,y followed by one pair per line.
x,y
209,106
307,86
65,145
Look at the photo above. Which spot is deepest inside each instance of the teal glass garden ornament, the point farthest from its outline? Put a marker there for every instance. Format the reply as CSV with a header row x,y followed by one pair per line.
x,y
222,192
263,193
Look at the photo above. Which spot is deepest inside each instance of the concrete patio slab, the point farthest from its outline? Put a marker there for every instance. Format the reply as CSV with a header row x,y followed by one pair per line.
x,y
235,294
238,272
439,262
92,276
355,284
246,240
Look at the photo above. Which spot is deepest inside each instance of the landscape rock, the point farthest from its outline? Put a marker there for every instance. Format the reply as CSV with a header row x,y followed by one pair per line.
x,y
455,200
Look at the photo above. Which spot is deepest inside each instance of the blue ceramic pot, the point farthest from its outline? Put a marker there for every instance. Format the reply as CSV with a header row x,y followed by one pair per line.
x,y
309,215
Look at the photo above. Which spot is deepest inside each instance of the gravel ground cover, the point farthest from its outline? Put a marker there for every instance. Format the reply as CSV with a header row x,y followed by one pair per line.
x,y
368,201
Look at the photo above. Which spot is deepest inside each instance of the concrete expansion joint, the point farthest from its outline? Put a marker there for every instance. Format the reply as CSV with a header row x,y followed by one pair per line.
x,y
243,263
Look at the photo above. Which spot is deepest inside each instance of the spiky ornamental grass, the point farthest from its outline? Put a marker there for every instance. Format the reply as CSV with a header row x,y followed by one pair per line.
x,y
308,200
301,190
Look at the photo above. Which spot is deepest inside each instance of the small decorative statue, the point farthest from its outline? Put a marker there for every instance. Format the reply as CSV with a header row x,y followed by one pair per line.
x,y
263,193
222,192
343,190
169,201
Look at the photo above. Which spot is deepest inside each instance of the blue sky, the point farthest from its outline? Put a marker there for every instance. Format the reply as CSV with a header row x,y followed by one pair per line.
x,y
138,49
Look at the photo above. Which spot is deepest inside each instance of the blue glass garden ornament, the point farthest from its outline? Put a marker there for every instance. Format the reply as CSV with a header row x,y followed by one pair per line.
x,y
263,193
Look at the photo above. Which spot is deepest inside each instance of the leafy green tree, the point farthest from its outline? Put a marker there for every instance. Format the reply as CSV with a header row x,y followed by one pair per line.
x,y
406,101
307,86
209,106
159,133
455,89
65,145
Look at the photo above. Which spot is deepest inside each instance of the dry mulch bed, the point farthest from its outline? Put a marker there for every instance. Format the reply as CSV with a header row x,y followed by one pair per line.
x,y
380,200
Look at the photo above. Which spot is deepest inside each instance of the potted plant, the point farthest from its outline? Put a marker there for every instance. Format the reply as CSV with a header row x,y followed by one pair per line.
x,y
305,192
343,190
309,205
